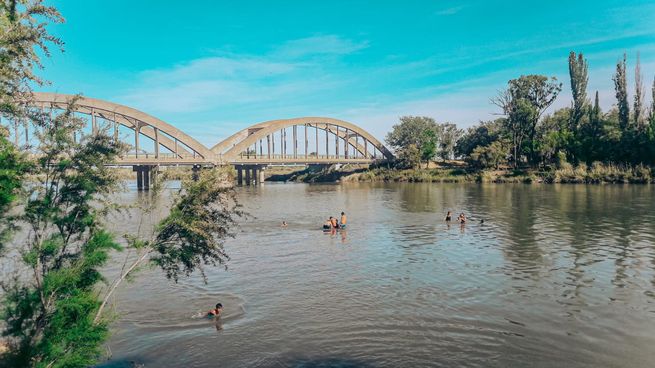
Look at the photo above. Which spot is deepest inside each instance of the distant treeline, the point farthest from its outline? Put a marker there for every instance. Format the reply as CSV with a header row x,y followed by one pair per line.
x,y
524,136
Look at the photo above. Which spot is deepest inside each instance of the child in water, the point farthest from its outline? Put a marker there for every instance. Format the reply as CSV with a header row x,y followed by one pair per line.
x,y
216,312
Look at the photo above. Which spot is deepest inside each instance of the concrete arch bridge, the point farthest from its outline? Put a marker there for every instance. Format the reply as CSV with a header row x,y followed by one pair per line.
x,y
155,143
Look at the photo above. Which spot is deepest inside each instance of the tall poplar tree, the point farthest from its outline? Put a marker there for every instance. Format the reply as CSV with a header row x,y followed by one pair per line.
x,y
621,89
639,94
579,80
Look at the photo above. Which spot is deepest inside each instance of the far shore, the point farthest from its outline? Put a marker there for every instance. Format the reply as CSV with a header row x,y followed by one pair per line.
x,y
457,172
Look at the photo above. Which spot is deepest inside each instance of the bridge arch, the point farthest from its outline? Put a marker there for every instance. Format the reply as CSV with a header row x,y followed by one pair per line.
x,y
347,136
141,123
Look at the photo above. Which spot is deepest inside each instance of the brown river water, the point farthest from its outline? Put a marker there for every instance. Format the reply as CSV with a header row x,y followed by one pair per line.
x,y
557,276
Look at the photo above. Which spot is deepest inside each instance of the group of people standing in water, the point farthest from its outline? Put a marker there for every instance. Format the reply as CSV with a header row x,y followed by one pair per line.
x,y
461,218
333,223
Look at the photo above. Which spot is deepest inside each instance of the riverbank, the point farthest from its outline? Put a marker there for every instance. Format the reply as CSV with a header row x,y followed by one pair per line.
x,y
582,174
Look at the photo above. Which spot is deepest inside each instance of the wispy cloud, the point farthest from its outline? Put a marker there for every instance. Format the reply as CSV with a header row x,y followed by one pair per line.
x,y
450,11
318,45
230,79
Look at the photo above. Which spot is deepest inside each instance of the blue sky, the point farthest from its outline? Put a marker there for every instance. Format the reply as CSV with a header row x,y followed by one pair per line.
x,y
214,67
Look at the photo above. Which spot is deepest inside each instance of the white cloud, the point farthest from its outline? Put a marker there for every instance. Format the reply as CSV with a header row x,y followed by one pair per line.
x,y
291,81
450,11
317,45
229,80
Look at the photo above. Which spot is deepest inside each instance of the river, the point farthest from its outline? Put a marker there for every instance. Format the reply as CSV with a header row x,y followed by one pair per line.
x,y
556,276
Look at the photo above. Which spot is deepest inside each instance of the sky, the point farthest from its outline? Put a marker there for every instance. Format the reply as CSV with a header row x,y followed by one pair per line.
x,y
212,68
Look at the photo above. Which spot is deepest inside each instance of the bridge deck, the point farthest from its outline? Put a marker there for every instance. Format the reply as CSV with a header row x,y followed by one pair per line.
x,y
172,160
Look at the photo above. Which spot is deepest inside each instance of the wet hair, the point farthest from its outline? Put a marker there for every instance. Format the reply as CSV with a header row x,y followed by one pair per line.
x,y
331,217
219,305
343,213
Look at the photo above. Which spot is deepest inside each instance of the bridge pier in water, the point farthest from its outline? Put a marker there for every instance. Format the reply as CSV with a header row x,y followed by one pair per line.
x,y
145,176
250,174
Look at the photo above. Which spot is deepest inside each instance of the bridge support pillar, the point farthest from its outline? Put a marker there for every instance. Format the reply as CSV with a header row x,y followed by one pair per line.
x,y
260,175
145,176
250,174
239,174
248,178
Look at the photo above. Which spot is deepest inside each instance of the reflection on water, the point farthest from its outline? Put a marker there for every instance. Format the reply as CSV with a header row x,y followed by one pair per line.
x,y
555,276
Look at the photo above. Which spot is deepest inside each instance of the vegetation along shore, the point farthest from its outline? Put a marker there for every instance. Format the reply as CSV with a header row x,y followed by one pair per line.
x,y
528,142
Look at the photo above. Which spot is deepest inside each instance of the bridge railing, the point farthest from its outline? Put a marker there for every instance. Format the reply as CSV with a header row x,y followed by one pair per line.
x,y
308,157
171,156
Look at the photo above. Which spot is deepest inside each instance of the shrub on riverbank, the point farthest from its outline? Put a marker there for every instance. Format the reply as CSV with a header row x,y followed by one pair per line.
x,y
597,173
601,173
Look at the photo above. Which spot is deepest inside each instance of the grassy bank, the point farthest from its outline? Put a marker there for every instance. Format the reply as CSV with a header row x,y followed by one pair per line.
x,y
582,174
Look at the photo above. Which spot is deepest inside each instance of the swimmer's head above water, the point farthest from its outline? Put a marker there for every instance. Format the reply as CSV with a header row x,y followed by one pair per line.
x,y
216,311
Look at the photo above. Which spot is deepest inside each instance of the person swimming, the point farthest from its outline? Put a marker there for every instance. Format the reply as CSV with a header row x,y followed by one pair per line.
x,y
284,224
449,216
216,312
344,219
462,218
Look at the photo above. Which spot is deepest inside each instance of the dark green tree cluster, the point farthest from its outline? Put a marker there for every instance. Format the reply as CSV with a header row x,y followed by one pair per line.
x,y
580,134
417,139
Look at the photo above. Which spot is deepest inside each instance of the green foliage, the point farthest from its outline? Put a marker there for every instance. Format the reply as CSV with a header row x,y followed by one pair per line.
x,y
408,157
523,103
410,131
639,94
50,317
482,134
13,167
449,137
583,133
192,235
490,156
23,38
621,89
426,136
601,173
579,80
429,147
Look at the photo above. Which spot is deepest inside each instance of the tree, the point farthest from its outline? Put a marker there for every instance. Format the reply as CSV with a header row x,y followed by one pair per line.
x,y
53,312
490,156
414,134
523,103
410,130
13,168
449,137
579,80
651,113
621,89
24,36
429,147
554,136
482,134
48,316
55,318
409,156
639,94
